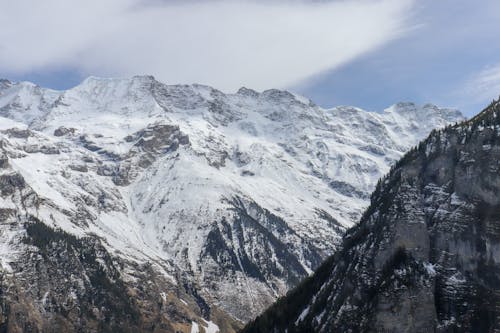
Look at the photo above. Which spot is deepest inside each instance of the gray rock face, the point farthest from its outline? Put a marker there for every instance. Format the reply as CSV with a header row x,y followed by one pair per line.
x,y
61,131
426,254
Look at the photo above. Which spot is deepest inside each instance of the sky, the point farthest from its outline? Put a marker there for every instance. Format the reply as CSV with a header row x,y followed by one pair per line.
x,y
366,53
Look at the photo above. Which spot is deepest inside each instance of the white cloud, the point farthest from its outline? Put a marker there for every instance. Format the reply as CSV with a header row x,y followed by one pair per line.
x,y
226,44
485,85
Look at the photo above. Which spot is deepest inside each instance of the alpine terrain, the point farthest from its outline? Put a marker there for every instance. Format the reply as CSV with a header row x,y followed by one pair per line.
x,y
131,205
425,256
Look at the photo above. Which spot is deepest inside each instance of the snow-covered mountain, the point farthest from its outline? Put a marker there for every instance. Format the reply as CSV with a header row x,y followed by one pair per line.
x,y
232,197
425,256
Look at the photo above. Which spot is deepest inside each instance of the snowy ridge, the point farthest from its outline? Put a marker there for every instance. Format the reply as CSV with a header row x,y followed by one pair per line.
x,y
244,193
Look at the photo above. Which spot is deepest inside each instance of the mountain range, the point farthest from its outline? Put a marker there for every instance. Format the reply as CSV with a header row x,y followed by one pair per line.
x,y
131,205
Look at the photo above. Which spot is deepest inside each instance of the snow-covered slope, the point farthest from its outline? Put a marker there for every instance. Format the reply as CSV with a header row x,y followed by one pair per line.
x,y
241,194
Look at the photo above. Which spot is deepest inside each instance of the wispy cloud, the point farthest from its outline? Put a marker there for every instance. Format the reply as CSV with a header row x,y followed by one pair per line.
x,y
224,43
485,85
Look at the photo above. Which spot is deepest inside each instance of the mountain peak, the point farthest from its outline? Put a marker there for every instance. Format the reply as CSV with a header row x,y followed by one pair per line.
x,y
4,83
428,112
247,92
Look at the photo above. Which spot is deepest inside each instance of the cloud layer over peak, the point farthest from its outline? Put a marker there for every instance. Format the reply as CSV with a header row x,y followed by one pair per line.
x,y
227,44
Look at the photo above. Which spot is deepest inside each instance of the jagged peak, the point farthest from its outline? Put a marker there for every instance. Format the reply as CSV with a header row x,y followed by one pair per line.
x,y
303,99
114,88
277,93
285,96
244,91
146,90
145,77
205,88
124,86
21,84
347,109
406,109
5,84
401,107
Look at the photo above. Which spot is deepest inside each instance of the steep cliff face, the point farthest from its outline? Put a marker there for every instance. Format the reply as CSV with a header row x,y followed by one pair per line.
x,y
232,198
425,256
